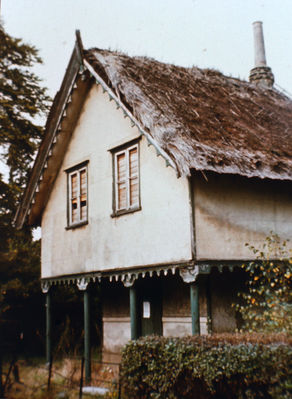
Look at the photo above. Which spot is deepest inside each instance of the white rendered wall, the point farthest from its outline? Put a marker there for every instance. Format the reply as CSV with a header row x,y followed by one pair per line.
x,y
159,233
231,211
116,333
182,326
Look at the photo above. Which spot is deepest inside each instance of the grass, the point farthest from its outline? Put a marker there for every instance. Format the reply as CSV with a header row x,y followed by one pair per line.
x,y
33,380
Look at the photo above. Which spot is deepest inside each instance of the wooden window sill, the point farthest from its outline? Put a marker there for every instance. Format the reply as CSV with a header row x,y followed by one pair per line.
x,y
125,211
76,225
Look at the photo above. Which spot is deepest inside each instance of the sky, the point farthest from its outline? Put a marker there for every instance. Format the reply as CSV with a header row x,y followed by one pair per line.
x,y
205,33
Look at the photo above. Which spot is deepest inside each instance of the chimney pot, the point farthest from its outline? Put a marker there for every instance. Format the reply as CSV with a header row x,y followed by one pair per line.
x,y
261,74
259,45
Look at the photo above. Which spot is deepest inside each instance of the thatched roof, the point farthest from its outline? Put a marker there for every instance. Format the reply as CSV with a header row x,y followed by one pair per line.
x,y
197,119
201,118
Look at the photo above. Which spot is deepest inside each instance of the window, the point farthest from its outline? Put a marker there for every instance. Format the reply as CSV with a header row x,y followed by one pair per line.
x,y
126,180
77,195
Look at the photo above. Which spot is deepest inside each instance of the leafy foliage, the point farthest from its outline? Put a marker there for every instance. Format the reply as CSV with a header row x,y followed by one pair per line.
x,y
176,368
22,101
267,303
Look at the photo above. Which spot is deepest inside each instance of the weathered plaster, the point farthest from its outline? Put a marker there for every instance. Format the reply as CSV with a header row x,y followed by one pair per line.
x,y
182,326
116,333
232,210
159,233
177,326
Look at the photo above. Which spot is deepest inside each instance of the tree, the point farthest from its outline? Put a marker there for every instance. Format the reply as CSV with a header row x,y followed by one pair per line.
x,y
23,102
22,99
266,305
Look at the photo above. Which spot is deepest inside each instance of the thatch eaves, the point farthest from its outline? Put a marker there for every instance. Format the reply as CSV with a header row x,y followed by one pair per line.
x,y
201,118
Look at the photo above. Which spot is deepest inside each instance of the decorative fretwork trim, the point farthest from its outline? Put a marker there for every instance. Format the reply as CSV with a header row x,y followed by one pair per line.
x,y
189,271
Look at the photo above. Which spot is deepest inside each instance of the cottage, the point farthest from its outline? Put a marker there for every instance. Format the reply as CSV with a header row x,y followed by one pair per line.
x,y
149,181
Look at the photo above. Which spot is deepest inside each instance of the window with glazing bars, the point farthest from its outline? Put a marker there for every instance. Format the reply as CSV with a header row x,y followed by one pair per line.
x,y
77,196
126,166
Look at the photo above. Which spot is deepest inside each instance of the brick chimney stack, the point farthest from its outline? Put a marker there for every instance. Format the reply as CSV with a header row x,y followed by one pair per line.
x,y
261,74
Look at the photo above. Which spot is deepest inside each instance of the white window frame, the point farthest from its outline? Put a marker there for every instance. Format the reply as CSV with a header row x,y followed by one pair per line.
x,y
79,220
128,207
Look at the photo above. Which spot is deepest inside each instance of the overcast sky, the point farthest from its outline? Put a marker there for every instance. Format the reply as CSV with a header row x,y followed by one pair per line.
x,y
206,33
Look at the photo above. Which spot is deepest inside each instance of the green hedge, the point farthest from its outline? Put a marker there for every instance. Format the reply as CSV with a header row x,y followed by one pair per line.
x,y
202,368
